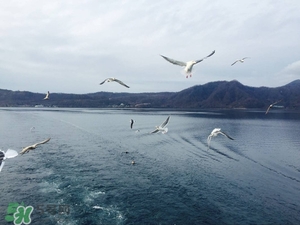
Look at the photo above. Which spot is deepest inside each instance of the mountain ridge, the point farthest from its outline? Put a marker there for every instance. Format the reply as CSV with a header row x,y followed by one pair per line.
x,y
217,94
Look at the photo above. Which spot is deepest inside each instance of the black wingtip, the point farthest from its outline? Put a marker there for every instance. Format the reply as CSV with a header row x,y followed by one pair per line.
x,y
213,52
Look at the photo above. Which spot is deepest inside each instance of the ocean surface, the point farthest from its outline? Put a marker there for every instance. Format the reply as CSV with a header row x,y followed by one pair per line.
x,y
84,176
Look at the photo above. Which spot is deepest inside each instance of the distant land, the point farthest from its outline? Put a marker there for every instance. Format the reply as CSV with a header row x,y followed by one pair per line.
x,y
219,94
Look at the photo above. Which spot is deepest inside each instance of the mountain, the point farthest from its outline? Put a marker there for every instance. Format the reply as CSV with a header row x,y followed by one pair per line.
x,y
219,94
232,94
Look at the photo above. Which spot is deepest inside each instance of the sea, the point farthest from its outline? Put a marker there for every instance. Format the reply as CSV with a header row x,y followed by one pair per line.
x,y
84,175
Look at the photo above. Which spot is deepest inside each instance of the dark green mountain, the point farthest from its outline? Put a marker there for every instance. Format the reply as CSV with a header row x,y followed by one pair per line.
x,y
220,94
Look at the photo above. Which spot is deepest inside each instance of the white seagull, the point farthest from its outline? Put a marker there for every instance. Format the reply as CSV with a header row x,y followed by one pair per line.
x,y
111,79
47,96
188,66
240,60
30,147
270,106
6,155
214,133
162,128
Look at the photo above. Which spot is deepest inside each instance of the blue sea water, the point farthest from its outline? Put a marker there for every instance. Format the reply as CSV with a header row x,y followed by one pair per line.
x,y
253,179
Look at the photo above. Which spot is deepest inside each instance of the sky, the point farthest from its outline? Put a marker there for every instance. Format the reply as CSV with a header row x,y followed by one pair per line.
x,y
71,46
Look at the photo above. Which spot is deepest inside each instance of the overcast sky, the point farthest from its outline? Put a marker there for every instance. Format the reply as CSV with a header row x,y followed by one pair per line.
x,y
71,46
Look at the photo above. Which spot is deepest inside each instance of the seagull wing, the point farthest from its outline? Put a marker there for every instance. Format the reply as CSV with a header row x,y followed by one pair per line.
x,y
155,131
268,108
1,165
104,81
208,140
42,142
179,63
120,82
165,123
226,135
245,58
200,60
26,149
235,62
47,95
277,102
11,153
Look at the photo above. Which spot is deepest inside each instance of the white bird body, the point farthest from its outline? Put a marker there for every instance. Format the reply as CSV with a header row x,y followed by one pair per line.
x,y
240,60
214,133
31,147
111,79
47,96
6,155
188,66
162,128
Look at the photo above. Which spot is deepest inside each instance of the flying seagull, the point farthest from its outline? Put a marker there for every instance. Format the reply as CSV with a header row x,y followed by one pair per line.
x,y
162,127
188,66
30,147
270,106
47,96
240,60
131,123
113,79
214,133
6,155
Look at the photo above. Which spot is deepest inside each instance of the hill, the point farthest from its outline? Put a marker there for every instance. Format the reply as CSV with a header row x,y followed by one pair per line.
x,y
219,94
223,94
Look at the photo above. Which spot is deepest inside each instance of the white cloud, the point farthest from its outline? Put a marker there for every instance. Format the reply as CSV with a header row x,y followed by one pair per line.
x,y
73,45
289,73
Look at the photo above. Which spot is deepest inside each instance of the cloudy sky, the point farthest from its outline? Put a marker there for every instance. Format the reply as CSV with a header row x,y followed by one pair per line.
x,y
71,46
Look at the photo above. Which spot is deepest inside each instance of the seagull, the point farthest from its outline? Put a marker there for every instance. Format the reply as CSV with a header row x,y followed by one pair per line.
x,y
47,96
30,147
6,155
270,106
113,79
214,133
240,60
162,127
188,66
131,123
